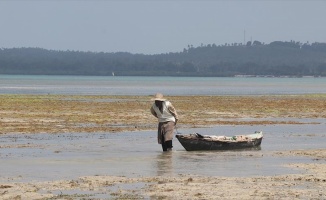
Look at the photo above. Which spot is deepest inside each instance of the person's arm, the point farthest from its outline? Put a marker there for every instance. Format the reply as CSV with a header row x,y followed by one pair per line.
x,y
153,112
173,112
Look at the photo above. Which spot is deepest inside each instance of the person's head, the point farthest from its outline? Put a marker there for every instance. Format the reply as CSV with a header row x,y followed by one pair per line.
x,y
158,97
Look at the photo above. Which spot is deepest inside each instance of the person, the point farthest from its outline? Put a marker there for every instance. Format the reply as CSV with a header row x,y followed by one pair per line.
x,y
167,117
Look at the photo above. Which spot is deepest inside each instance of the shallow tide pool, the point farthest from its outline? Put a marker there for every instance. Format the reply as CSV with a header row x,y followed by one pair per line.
x,y
45,157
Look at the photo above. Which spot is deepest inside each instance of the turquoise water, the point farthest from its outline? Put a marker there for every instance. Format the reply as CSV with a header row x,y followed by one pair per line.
x,y
137,85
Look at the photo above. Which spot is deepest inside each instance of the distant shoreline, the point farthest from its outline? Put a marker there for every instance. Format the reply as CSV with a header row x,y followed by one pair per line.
x,y
293,59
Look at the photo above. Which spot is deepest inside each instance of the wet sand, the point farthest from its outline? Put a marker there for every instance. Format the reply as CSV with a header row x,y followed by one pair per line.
x,y
22,115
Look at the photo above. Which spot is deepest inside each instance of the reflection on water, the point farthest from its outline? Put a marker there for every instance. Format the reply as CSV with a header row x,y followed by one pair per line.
x,y
66,156
164,164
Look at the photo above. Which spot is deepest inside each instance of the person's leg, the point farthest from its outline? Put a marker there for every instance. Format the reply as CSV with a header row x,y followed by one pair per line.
x,y
168,145
167,129
164,147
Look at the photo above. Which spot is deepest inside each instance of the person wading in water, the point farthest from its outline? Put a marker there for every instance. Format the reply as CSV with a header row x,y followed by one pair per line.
x,y
167,117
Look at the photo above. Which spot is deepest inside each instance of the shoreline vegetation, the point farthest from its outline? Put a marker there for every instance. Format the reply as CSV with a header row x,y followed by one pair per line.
x,y
277,59
37,114
78,114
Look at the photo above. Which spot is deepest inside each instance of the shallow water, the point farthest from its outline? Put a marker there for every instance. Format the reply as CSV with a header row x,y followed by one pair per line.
x,y
68,156
141,85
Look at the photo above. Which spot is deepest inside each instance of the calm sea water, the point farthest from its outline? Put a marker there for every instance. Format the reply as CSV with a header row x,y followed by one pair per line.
x,y
68,156
136,85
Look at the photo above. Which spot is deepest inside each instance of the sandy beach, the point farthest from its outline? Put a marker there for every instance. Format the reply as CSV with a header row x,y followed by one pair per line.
x,y
58,114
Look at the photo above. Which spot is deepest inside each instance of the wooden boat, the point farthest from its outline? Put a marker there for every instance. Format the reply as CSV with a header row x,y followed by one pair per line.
x,y
198,142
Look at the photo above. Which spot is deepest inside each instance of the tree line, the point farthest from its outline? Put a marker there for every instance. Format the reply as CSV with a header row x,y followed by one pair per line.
x,y
251,59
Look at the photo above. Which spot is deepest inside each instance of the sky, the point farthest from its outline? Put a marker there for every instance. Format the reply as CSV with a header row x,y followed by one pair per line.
x,y
156,26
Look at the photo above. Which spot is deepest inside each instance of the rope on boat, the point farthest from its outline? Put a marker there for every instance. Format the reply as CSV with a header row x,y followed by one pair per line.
x,y
177,130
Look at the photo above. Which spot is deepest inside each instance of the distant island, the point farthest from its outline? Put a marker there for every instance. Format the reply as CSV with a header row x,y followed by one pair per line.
x,y
294,59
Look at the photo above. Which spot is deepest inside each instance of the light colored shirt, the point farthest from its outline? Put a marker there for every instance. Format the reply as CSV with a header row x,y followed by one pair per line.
x,y
169,113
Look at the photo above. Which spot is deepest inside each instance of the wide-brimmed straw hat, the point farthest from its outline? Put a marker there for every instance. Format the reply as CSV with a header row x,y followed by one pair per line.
x,y
158,97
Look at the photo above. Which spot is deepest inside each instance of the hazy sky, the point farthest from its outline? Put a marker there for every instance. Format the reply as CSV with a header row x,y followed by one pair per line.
x,y
154,26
